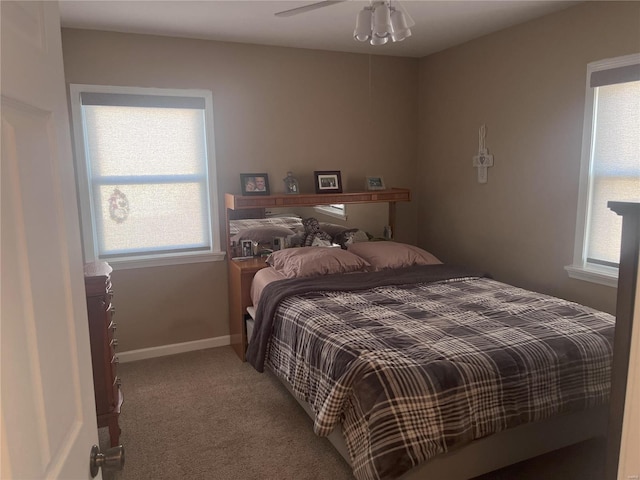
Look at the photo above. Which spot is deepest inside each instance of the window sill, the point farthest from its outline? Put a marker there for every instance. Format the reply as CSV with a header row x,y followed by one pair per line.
x,y
144,262
602,275
331,212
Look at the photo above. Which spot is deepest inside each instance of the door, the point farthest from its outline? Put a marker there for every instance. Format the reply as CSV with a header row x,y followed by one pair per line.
x,y
48,408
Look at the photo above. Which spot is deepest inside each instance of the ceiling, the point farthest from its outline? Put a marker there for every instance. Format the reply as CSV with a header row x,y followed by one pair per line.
x,y
439,24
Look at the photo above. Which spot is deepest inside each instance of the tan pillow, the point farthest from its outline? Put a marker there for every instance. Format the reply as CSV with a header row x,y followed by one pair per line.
x,y
382,255
311,261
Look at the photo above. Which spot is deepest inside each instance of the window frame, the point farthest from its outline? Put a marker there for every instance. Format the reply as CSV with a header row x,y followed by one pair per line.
x,y
581,269
332,211
83,181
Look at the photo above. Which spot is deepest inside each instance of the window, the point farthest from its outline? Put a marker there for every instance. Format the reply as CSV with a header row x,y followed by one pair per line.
x,y
336,210
146,175
610,166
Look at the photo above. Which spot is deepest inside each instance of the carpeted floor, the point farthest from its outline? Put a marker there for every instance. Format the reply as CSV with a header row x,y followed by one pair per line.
x,y
206,415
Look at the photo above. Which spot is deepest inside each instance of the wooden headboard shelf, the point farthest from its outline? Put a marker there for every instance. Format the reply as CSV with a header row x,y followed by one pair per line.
x,y
253,206
238,202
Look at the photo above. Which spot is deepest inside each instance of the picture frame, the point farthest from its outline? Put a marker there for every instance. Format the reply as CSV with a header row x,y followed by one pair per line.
x,y
254,184
375,183
328,181
247,248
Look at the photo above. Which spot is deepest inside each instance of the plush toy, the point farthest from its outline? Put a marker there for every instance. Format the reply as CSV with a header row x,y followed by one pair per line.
x,y
313,235
347,237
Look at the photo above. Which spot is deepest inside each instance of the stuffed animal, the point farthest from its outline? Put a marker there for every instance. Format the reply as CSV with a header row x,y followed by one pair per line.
x,y
313,235
347,237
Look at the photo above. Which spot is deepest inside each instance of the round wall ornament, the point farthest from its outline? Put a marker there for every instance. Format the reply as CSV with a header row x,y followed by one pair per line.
x,y
118,206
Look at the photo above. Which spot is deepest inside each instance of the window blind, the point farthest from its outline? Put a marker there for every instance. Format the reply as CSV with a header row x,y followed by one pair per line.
x,y
147,165
612,76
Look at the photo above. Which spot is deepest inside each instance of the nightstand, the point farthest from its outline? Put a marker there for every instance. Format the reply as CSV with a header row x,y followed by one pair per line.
x,y
241,273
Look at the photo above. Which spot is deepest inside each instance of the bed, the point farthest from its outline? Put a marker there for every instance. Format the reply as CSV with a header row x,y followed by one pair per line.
x,y
415,369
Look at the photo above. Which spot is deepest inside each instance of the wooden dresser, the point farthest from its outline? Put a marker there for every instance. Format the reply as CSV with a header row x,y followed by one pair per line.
x,y
102,328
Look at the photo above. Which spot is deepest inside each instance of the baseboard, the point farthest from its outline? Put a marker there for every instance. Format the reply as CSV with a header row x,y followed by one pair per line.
x,y
161,351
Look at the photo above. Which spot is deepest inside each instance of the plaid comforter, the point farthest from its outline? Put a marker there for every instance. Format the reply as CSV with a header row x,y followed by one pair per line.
x,y
414,370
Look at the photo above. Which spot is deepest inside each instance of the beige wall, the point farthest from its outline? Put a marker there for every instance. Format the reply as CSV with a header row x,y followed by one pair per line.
x,y
413,122
527,84
275,109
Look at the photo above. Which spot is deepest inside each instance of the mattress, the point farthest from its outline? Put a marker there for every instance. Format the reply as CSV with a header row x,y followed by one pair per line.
x,y
261,279
250,322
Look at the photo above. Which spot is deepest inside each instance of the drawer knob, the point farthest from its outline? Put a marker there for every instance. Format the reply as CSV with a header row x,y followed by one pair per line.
x,y
114,342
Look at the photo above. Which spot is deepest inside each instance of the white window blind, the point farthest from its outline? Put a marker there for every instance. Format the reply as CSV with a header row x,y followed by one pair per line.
x,y
615,172
146,166
610,165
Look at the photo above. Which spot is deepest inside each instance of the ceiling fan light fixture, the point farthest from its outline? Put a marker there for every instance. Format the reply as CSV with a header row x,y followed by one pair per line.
x,y
376,40
362,33
381,20
399,28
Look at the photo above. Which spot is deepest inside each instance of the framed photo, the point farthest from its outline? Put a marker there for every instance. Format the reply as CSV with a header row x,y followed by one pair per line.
x,y
254,183
328,181
375,183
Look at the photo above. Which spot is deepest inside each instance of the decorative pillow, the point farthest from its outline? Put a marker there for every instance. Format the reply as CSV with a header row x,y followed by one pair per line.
x,y
262,234
311,261
382,255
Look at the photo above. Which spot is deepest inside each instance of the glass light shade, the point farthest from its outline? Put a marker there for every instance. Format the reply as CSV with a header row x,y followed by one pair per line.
x,y
381,20
362,33
376,40
399,28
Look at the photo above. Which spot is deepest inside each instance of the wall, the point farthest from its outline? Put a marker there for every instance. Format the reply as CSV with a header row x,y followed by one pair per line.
x,y
527,84
275,109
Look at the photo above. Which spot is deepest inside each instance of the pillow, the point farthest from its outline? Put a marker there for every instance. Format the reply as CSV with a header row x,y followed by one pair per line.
x,y
382,255
312,261
289,222
333,229
261,234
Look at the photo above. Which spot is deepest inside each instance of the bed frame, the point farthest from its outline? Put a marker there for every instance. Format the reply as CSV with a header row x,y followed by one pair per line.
x,y
495,451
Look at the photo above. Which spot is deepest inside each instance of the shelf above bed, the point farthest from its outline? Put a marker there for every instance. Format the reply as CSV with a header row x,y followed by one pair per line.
x,y
238,202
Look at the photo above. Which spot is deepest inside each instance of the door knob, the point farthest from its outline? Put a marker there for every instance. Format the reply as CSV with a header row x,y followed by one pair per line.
x,y
113,459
